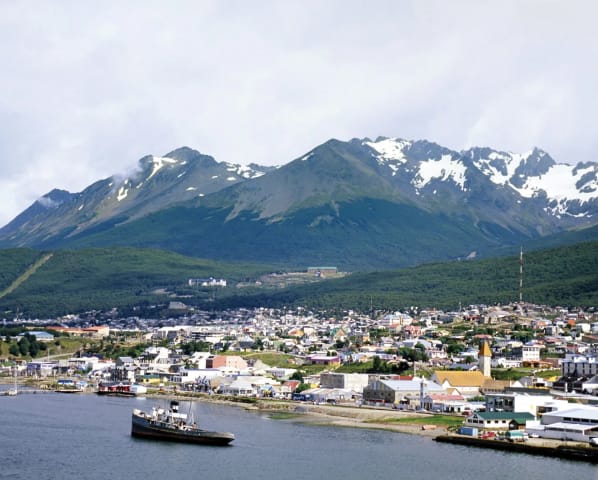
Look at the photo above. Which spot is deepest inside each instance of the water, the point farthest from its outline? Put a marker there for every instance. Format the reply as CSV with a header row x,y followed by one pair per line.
x,y
59,436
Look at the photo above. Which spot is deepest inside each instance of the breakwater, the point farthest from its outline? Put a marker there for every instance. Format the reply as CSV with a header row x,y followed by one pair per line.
x,y
567,452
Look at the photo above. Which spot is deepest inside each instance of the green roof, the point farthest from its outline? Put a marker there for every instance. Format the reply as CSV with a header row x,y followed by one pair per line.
x,y
519,417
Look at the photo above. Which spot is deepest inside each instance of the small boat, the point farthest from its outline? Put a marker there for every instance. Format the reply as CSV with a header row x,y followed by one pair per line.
x,y
68,390
13,391
169,424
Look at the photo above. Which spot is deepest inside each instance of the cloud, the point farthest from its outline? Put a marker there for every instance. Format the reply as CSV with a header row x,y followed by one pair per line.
x,y
93,88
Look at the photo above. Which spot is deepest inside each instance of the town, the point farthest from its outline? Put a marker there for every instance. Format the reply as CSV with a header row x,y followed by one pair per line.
x,y
513,372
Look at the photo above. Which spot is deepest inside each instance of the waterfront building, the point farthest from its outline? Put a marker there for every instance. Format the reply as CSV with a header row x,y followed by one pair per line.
x,y
517,402
579,423
499,420
406,393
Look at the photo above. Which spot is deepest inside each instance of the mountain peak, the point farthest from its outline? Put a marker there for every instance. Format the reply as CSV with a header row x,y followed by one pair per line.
x,y
497,192
54,198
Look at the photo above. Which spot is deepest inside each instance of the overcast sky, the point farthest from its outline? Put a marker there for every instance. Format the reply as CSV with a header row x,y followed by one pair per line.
x,y
88,88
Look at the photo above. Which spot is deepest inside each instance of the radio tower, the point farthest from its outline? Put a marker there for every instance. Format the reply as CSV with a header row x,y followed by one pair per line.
x,y
521,277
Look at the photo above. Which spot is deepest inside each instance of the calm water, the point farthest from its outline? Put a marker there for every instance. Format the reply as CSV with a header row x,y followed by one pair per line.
x,y
57,436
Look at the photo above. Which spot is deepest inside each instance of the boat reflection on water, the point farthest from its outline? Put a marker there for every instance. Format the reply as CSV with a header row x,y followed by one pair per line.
x,y
170,424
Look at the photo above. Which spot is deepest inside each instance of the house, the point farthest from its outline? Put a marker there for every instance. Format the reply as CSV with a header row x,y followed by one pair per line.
x,y
233,362
320,359
238,388
124,369
499,420
498,386
442,402
459,382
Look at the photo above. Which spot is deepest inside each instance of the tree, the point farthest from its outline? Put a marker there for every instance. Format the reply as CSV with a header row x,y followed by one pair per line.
x,y
24,346
302,387
377,365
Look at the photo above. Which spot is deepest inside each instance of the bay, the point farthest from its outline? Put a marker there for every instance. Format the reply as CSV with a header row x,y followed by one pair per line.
x,y
85,436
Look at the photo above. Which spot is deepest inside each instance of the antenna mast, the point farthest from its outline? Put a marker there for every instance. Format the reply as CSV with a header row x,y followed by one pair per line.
x,y
521,276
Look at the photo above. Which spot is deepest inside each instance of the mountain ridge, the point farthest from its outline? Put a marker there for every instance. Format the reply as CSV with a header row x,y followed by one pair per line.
x,y
351,202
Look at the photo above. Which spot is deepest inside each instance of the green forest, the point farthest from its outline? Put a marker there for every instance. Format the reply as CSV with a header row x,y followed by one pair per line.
x,y
131,280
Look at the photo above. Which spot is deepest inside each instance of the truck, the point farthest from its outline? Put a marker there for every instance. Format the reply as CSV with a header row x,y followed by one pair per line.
x,y
516,436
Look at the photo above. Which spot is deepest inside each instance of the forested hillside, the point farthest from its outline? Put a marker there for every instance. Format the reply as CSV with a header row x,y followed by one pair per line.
x,y
125,278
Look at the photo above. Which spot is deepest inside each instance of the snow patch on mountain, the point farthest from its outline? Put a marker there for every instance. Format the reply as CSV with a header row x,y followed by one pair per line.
x,y
444,169
243,170
122,193
390,149
159,163
500,167
560,183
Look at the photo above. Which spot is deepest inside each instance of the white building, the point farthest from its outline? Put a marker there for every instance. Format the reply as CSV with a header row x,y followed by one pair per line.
x,y
348,381
579,423
530,353
517,402
580,365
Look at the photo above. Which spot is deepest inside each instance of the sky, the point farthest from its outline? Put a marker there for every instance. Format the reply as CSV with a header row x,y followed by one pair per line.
x,y
88,88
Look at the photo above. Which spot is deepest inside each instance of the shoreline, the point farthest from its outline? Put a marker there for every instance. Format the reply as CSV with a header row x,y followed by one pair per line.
x,y
351,416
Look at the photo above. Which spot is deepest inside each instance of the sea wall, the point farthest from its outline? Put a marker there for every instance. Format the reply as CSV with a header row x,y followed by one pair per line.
x,y
568,452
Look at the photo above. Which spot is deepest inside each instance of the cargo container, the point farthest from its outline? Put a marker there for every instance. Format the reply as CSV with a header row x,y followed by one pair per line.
x,y
470,431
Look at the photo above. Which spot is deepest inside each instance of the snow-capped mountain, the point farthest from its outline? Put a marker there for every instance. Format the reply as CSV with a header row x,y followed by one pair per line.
x,y
568,190
156,183
362,203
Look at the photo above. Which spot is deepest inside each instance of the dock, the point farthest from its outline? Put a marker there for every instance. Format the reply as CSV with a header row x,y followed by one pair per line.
x,y
564,451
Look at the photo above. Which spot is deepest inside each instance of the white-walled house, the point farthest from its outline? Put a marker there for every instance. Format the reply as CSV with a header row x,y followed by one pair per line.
x,y
199,359
196,375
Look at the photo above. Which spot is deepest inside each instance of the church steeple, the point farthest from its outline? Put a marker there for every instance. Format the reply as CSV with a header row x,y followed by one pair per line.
x,y
484,359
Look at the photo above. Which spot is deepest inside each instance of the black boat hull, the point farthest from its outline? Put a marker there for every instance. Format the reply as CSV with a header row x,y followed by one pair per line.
x,y
144,428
